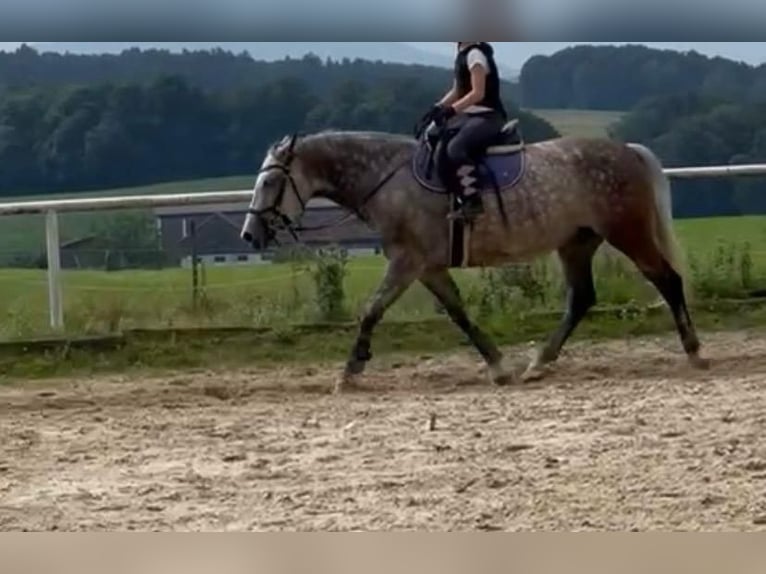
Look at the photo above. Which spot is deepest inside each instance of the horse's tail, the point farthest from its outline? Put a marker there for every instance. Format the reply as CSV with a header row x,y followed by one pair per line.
x,y
663,202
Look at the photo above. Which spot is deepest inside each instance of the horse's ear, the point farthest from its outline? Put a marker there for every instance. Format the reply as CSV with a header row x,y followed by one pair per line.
x,y
291,142
287,144
275,146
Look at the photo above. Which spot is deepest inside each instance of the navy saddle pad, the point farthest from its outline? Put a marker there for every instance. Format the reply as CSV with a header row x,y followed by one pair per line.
x,y
502,164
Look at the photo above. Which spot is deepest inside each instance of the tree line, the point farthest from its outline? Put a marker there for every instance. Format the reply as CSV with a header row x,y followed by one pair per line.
x,y
690,109
63,129
621,77
698,130
70,123
213,69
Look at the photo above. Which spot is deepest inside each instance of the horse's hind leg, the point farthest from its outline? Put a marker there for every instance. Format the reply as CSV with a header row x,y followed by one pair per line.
x,y
443,287
670,284
657,269
577,262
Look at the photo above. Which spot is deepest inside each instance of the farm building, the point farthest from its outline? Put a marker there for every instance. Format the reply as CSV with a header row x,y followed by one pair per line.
x,y
94,252
84,253
216,232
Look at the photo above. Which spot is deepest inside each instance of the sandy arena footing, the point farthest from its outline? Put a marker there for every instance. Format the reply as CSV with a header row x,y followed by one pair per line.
x,y
621,436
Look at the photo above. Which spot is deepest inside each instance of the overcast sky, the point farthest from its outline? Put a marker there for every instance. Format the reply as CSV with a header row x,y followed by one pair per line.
x,y
514,54
536,18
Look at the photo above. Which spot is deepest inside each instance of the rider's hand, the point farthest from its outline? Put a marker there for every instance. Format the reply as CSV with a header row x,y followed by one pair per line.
x,y
442,114
434,113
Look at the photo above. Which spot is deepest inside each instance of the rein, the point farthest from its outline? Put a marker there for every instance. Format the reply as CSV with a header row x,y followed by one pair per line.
x,y
284,168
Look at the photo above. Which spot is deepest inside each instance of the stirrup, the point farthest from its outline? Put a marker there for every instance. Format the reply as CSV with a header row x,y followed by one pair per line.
x,y
467,211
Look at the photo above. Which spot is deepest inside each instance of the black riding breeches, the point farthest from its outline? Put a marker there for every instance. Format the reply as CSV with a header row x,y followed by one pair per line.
x,y
472,135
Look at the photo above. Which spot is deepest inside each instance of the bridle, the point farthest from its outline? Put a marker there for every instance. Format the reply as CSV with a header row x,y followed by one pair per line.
x,y
269,215
272,214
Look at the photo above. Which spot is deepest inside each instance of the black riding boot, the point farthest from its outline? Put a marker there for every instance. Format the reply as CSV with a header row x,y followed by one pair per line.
x,y
469,196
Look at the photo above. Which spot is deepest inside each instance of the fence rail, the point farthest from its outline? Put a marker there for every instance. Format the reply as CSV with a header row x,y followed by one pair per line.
x,y
51,209
744,170
127,202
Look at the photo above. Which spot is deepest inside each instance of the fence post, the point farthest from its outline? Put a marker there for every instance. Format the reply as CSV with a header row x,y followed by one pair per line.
x,y
54,270
194,265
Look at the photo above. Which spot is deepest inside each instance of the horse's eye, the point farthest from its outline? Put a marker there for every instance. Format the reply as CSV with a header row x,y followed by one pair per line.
x,y
271,181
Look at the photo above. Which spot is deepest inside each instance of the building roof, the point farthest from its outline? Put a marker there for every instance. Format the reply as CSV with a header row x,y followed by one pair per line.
x,y
79,242
222,224
218,228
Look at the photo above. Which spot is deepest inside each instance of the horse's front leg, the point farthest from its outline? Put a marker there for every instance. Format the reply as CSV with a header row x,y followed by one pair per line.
x,y
400,275
446,291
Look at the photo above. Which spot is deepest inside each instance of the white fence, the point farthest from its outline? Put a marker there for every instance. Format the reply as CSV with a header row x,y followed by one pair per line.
x,y
52,208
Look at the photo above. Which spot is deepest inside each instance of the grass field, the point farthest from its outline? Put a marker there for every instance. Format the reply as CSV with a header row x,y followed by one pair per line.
x,y
511,305
727,258
580,122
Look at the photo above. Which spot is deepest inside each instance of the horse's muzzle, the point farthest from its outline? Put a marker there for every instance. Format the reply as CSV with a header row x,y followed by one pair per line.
x,y
257,232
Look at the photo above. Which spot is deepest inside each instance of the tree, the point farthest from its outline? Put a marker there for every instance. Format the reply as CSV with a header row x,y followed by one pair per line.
x,y
169,128
618,78
694,130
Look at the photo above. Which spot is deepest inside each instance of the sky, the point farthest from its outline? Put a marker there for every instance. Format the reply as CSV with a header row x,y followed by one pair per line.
x,y
513,54
307,18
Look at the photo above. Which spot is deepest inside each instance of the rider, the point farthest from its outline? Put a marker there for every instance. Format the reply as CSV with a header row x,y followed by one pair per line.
x,y
474,112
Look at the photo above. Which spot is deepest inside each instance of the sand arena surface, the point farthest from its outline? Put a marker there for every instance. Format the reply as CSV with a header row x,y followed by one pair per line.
x,y
619,437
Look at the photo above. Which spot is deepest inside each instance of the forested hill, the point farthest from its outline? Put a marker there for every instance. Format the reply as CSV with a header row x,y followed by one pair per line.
x,y
619,77
690,109
209,69
698,130
70,123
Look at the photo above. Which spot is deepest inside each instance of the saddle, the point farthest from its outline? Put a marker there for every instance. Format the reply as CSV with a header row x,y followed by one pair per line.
x,y
500,166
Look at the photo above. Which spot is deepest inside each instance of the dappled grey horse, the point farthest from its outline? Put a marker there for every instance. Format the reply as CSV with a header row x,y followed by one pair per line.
x,y
567,195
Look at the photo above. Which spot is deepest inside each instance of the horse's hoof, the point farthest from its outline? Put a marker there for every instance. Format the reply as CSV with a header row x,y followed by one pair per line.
x,y
346,383
341,387
537,369
534,374
502,375
699,363
355,367
349,380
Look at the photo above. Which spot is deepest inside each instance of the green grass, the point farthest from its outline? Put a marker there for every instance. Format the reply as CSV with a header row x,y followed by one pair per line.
x,y
707,234
580,123
100,302
514,305
159,352
97,302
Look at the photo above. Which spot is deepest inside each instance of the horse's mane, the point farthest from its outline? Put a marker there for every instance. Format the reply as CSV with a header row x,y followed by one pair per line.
x,y
331,135
371,134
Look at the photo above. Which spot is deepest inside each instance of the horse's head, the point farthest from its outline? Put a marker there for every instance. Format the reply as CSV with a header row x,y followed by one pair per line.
x,y
281,193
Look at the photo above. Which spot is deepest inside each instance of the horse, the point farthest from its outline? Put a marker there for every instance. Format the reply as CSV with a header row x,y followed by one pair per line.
x,y
566,195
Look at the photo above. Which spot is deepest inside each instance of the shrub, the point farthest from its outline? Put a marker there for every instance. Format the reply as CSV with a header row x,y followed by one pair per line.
x,y
330,269
728,272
